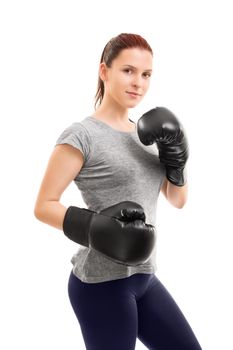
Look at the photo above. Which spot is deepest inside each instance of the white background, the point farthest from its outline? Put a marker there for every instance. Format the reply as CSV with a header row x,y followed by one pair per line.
x,y
50,51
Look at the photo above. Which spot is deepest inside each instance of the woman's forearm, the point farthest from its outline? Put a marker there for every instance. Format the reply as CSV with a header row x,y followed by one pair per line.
x,y
51,213
177,195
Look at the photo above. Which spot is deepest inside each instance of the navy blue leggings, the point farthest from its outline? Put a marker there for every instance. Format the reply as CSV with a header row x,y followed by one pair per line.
x,y
113,314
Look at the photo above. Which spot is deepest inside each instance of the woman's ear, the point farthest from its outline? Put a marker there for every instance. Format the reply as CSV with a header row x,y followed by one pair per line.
x,y
103,71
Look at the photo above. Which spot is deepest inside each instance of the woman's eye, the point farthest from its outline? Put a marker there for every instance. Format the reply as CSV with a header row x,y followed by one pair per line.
x,y
127,70
148,75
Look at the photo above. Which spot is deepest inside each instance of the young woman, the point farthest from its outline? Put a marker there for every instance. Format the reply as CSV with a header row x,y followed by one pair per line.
x,y
120,168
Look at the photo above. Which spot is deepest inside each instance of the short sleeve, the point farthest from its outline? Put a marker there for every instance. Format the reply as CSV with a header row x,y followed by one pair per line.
x,y
77,136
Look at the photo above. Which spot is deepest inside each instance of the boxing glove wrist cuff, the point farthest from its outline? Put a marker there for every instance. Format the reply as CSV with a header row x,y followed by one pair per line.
x,y
76,224
177,176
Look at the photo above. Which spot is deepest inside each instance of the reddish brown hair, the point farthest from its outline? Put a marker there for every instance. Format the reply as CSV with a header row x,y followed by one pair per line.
x,y
113,49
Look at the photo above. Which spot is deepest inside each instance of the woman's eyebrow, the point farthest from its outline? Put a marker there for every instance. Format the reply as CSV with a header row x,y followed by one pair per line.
x,y
129,65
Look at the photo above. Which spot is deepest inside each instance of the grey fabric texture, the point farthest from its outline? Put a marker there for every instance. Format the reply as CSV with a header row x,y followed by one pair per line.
x,y
117,167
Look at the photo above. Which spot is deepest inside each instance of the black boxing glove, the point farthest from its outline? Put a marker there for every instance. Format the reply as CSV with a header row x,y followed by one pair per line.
x,y
161,126
118,232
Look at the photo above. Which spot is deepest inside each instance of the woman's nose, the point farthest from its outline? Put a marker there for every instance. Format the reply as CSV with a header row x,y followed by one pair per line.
x,y
137,81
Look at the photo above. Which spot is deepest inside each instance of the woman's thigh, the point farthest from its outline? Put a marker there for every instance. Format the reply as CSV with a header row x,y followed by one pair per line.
x,y
107,313
161,323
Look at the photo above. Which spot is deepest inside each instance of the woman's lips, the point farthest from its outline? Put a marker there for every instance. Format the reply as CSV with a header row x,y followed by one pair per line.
x,y
133,94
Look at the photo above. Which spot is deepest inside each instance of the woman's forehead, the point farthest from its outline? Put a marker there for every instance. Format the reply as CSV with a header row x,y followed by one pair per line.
x,y
135,57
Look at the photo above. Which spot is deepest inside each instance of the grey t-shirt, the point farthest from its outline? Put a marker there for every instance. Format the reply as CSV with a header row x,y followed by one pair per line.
x,y
117,167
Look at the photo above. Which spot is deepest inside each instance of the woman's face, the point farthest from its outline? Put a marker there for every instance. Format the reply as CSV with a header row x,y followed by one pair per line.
x,y
130,73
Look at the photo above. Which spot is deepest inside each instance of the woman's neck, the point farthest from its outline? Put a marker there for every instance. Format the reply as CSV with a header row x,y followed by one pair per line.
x,y
112,112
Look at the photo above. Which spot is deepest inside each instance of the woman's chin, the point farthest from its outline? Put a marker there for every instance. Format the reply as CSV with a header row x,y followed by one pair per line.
x,y
131,104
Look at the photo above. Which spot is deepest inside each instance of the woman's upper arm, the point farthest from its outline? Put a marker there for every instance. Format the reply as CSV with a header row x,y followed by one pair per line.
x,y
63,166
